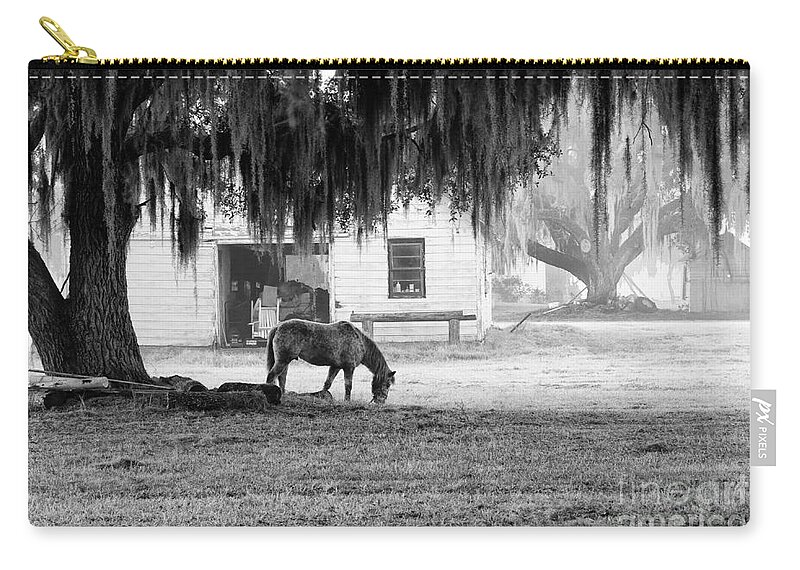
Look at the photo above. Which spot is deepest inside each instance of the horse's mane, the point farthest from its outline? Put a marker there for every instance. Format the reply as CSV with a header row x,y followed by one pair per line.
x,y
373,357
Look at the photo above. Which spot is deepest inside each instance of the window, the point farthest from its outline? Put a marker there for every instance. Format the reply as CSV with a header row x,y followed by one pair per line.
x,y
406,268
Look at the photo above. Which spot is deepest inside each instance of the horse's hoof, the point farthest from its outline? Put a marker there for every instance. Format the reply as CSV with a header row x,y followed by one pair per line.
x,y
273,393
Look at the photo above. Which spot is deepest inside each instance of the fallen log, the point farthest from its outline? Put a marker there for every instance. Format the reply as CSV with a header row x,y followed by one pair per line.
x,y
181,383
239,387
69,382
209,401
38,399
48,399
271,391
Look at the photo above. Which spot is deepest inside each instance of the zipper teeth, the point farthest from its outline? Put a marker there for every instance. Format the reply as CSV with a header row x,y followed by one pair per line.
x,y
440,62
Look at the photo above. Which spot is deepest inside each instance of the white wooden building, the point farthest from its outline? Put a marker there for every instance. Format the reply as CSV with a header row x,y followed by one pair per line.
x,y
426,263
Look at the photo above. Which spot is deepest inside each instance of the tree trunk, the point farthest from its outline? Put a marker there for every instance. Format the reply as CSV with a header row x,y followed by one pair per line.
x,y
91,332
602,286
600,271
103,338
599,275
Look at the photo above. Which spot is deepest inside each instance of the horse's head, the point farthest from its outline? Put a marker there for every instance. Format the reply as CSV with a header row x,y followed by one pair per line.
x,y
380,386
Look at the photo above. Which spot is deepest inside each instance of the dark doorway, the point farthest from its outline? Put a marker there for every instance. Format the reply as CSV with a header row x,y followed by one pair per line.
x,y
250,271
252,278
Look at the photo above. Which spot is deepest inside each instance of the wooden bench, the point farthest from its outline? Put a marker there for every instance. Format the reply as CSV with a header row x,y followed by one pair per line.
x,y
454,319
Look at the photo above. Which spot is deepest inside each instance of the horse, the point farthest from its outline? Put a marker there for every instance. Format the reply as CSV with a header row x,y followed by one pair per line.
x,y
340,346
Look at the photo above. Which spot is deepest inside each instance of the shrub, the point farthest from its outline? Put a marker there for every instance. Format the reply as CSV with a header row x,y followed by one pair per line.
x,y
538,296
512,289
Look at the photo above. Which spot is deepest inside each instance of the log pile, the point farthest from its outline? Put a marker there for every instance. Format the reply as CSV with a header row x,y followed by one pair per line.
x,y
254,401
38,399
67,382
180,383
48,390
272,392
239,387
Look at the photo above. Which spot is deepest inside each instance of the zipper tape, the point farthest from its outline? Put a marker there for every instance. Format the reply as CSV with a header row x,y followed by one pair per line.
x,y
80,57
405,64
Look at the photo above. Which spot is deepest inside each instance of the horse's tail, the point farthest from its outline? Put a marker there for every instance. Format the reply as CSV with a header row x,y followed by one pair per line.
x,y
271,349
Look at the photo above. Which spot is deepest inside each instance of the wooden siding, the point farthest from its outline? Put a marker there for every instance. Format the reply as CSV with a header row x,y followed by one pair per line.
x,y
361,278
166,310
483,276
721,284
168,306
719,296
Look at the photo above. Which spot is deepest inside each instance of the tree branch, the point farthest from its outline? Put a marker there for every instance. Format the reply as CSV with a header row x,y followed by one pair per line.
x,y
669,220
136,144
625,215
48,322
555,258
554,216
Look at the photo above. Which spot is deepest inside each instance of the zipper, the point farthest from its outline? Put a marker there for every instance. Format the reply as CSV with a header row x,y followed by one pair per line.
x,y
84,56
73,53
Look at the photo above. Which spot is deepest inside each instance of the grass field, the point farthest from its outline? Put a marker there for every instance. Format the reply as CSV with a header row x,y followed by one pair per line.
x,y
504,312
560,424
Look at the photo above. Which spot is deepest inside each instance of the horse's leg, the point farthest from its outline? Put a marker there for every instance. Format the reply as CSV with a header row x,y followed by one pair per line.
x,y
332,372
278,370
348,382
282,379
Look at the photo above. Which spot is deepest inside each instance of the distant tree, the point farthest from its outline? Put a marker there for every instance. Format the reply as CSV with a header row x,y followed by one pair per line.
x,y
512,289
594,226
308,153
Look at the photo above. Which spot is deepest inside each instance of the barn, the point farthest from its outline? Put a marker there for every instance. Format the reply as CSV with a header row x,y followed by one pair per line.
x,y
427,267
722,283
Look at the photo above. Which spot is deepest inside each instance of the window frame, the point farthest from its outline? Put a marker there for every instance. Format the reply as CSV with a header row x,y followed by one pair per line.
x,y
390,268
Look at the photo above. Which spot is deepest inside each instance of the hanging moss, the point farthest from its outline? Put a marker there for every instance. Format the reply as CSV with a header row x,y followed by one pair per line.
x,y
627,161
304,155
42,195
603,118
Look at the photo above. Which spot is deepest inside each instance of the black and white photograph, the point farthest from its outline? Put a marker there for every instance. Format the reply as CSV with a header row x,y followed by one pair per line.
x,y
427,284
367,293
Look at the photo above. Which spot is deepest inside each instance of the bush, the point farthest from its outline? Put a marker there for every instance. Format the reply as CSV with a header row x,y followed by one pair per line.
x,y
538,296
512,289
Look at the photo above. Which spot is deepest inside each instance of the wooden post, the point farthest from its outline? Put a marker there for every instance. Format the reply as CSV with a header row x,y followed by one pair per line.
x,y
454,335
366,327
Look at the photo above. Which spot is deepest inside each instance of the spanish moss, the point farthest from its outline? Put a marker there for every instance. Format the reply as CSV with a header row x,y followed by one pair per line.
x,y
603,119
304,156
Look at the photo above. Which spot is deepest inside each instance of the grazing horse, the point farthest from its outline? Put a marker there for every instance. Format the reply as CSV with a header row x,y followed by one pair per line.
x,y
340,346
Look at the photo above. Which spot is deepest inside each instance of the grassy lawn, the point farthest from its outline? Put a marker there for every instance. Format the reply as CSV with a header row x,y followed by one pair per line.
x,y
511,313
503,311
579,424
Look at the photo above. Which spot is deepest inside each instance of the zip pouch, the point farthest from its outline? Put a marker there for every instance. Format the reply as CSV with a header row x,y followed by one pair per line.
x,y
532,276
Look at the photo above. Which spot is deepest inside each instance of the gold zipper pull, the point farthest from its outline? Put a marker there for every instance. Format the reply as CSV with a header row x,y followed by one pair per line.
x,y
72,53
